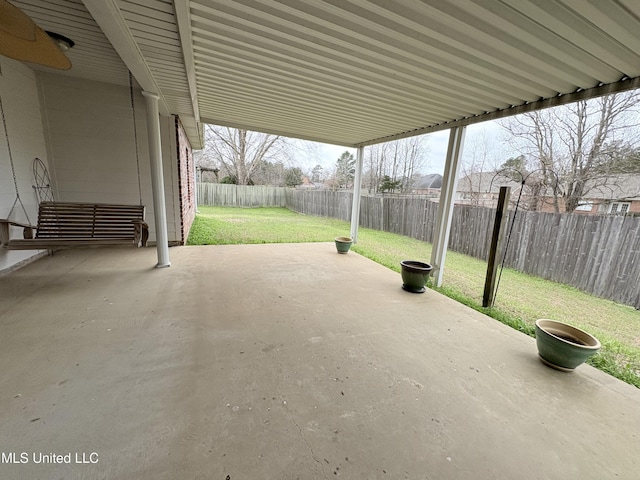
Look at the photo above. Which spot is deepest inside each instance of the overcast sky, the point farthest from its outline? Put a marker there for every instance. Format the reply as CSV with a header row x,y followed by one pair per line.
x,y
437,144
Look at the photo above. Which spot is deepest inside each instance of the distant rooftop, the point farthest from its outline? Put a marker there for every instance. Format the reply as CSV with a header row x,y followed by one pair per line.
x,y
614,187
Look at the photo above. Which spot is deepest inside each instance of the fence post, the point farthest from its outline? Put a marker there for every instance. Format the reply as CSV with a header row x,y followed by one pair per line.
x,y
499,226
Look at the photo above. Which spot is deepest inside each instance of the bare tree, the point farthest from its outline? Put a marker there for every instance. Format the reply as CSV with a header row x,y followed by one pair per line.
x,y
240,153
375,161
571,147
398,161
413,156
479,164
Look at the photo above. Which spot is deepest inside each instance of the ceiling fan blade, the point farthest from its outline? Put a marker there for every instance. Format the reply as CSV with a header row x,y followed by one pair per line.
x,y
16,31
14,21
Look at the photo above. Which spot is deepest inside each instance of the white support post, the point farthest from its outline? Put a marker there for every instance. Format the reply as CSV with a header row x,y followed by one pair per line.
x,y
157,179
445,207
357,187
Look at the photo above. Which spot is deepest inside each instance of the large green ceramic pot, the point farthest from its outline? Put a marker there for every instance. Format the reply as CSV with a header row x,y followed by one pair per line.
x,y
414,275
562,346
343,244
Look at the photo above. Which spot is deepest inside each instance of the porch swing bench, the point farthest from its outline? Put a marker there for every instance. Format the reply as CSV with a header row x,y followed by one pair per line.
x,y
68,225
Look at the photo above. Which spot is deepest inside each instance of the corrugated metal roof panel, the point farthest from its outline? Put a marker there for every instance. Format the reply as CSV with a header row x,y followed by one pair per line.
x,y
378,68
355,72
154,27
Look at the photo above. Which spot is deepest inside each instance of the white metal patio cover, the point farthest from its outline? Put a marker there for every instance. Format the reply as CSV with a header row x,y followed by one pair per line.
x,y
352,72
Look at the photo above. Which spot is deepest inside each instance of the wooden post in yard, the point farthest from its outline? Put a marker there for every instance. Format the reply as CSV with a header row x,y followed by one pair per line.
x,y
499,226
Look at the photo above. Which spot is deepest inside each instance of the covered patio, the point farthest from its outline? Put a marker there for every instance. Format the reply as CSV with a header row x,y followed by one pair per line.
x,y
353,73
284,361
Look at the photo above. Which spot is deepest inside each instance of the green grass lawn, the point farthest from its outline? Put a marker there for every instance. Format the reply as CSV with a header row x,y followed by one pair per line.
x,y
521,299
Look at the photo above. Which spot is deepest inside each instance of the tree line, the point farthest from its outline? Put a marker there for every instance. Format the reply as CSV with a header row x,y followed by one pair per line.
x,y
243,157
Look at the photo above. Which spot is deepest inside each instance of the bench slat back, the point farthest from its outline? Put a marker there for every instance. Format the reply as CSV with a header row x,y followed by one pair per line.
x,y
87,220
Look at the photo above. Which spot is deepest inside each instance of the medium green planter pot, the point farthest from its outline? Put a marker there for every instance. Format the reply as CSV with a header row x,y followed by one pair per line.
x,y
414,275
562,346
343,244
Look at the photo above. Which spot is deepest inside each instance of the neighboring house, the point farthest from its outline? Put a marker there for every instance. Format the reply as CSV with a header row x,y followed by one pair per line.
x,y
307,184
614,195
428,185
483,189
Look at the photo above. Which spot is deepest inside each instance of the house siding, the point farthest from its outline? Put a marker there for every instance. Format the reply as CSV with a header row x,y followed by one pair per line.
x,y
95,153
22,113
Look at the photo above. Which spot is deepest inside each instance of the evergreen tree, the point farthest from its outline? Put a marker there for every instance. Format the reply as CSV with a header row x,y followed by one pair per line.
x,y
293,177
389,185
345,169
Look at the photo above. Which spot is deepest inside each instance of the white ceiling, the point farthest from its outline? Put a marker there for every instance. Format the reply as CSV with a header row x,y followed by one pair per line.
x,y
351,72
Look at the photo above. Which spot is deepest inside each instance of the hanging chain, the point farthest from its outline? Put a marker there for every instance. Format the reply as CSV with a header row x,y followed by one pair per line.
x,y
6,134
13,168
135,134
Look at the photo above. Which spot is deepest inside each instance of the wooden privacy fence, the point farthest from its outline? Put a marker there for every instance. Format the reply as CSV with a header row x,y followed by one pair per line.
x,y
597,254
224,195
321,203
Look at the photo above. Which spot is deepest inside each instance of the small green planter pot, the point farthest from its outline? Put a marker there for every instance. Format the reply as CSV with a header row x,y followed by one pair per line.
x,y
414,275
343,244
562,346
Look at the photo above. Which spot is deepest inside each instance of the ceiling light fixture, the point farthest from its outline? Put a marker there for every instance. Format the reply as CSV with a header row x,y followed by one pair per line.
x,y
65,43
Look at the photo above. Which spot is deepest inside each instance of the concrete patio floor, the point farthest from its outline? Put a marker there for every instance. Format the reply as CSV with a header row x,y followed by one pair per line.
x,y
284,362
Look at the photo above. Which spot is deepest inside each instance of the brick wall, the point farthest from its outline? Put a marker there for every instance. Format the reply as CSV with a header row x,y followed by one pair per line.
x,y
547,206
186,185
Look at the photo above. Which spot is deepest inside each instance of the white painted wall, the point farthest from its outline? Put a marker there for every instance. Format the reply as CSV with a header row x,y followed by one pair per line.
x,y
84,132
20,102
92,148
